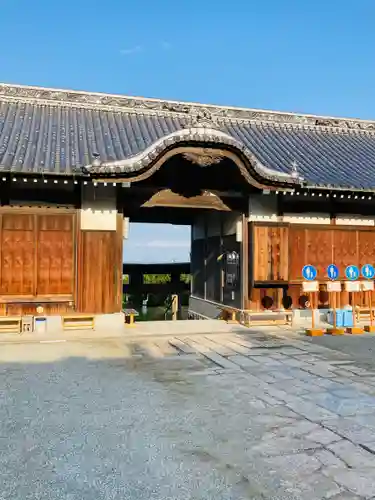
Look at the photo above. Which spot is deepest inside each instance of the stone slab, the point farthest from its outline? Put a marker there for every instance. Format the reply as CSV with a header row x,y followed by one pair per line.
x,y
352,455
211,355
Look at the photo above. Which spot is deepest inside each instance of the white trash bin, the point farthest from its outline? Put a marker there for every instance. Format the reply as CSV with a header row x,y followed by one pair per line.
x,y
40,324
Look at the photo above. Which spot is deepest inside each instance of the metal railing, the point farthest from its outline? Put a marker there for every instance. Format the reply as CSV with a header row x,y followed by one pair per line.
x,y
246,316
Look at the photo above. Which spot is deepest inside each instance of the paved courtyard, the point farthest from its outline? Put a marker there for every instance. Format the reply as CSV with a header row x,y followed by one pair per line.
x,y
206,416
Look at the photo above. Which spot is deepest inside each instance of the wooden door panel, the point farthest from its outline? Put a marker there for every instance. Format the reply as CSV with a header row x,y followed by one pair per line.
x,y
56,222
55,249
279,258
55,263
261,253
297,251
18,222
366,247
271,256
17,255
309,246
98,268
319,250
345,253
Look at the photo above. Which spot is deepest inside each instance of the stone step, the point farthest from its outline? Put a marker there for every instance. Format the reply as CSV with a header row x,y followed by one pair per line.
x,y
184,327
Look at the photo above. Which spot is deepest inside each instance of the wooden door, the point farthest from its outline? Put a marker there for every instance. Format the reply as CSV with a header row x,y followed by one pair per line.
x,y
99,272
55,250
17,255
270,253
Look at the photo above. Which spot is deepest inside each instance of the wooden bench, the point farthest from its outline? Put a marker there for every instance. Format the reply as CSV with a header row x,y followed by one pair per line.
x,y
78,322
265,318
362,313
129,316
10,324
257,318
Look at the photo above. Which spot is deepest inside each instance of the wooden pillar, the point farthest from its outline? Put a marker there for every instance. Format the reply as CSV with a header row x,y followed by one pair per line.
x,y
344,299
294,291
99,252
250,265
245,262
255,299
205,259
99,272
279,298
118,264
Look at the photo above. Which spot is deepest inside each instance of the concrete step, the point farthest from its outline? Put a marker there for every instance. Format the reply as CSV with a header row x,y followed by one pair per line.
x,y
184,327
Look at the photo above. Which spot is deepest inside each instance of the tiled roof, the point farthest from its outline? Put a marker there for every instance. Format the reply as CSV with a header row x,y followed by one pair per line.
x,y
60,132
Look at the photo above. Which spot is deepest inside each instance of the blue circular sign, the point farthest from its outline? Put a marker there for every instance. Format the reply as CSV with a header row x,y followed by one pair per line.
x,y
352,273
332,272
309,272
368,271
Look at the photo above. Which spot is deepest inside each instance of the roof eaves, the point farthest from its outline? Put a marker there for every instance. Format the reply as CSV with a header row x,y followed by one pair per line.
x,y
330,187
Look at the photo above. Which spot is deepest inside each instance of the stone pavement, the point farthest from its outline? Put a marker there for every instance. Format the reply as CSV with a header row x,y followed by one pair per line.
x,y
140,329
210,416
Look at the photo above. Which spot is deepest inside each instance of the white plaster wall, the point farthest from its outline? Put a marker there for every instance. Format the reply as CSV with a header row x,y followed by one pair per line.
x,y
354,220
98,212
307,218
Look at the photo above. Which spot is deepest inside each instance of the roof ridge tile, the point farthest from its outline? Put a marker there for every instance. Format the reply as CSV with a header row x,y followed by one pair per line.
x,y
102,101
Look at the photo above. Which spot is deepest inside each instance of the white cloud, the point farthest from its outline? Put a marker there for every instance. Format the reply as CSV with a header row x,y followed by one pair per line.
x,y
131,50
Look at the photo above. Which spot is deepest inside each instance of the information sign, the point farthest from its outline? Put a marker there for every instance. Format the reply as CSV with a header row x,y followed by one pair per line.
x,y
310,286
333,286
309,272
368,271
352,272
367,286
332,272
352,286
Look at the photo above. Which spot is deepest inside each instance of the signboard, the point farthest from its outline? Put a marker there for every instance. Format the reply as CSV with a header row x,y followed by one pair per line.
x,y
332,272
368,271
352,273
232,269
333,286
352,286
367,286
310,286
309,272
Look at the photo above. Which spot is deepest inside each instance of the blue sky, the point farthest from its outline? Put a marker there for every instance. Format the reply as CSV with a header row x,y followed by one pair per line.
x,y
292,55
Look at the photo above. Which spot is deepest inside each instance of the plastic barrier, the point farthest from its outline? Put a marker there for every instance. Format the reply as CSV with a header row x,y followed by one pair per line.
x,y
348,319
340,315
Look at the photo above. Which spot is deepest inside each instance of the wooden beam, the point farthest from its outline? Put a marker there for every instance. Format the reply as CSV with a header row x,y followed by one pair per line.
x,y
167,198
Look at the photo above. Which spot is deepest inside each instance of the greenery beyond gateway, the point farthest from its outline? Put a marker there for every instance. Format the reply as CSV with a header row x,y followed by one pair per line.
x,y
157,279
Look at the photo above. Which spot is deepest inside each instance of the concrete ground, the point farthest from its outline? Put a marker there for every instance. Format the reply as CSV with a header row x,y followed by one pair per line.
x,y
360,347
227,415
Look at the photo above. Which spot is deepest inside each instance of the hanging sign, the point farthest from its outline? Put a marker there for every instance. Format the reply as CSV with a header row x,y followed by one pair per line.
x,y
352,273
332,272
333,286
310,286
309,273
368,271
367,286
352,286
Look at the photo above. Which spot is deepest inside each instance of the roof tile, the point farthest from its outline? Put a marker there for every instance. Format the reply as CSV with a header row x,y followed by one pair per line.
x,y
40,133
